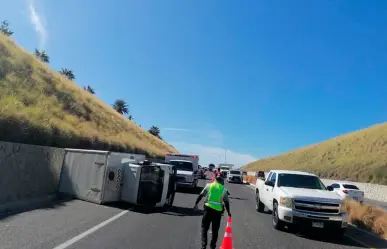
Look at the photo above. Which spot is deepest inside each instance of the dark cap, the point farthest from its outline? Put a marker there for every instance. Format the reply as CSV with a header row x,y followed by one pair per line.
x,y
220,179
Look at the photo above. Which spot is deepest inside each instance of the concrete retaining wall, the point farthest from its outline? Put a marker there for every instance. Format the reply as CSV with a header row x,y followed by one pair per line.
x,y
371,191
28,172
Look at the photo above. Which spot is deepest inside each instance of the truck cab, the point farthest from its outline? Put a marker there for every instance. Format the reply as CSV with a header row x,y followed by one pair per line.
x,y
187,169
235,176
225,169
300,199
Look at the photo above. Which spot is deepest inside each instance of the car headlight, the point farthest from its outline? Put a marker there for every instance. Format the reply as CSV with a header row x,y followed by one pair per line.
x,y
286,202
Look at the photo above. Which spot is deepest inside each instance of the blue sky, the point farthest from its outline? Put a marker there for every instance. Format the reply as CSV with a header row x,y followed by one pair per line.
x,y
256,77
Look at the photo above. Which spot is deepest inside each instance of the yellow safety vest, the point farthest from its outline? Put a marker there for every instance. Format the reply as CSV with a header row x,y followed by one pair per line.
x,y
215,196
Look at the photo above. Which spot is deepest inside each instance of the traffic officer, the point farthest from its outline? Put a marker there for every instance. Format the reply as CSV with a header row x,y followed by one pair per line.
x,y
216,195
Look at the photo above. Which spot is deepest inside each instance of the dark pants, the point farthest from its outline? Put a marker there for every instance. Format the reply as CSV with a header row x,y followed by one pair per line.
x,y
213,218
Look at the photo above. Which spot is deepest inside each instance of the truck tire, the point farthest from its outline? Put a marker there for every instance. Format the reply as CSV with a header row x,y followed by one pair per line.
x,y
277,223
259,206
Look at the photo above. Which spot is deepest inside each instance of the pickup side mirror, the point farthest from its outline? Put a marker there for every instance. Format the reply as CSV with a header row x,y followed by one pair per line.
x,y
269,183
330,188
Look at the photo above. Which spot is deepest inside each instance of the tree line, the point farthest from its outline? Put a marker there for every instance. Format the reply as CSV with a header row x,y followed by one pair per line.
x,y
119,105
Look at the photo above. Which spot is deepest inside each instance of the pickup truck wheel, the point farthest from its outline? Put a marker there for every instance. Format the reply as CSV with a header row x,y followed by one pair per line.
x,y
258,204
277,223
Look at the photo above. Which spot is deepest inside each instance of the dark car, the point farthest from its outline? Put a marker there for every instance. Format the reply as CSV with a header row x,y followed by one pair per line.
x,y
260,174
201,173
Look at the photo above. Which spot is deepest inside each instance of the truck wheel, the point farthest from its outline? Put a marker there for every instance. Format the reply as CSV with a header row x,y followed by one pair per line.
x,y
277,223
259,206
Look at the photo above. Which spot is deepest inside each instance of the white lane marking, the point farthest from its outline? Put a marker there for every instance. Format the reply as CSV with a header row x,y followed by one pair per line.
x,y
90,231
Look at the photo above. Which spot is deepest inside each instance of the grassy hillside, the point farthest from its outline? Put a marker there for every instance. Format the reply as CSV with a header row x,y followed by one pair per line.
x,y
357,156
40,106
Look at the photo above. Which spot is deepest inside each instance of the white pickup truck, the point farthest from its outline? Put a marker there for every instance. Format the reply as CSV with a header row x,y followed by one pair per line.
x,y
300,200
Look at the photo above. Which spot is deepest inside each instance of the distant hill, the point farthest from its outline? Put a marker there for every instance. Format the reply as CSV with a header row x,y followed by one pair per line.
x,y
40,106
357,156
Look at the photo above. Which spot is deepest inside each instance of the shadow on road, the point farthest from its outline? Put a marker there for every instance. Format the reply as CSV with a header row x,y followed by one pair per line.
x,y
326,238
353,237
49,204
194,191
238,198
183,211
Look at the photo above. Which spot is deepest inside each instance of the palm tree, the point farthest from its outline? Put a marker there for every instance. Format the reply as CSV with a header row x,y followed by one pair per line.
x,y
89,89
4,28
37,53
121,106
155,131
42,55
68,73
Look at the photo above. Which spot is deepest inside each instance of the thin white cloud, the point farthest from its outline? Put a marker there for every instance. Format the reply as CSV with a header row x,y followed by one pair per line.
x,y
37,21
216,155
211,136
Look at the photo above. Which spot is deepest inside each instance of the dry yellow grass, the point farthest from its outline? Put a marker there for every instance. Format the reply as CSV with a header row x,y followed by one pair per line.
x,y
250,179
368,217
40,106
364,216
357,156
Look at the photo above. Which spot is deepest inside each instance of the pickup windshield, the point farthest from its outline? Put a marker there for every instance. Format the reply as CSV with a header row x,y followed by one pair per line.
x,y
187,166
300,181
235,172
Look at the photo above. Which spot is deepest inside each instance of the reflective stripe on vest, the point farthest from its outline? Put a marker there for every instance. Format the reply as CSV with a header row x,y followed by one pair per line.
x,y
215,196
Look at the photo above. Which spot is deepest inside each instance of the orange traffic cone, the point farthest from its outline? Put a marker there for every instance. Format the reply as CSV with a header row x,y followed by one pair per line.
x,y
227,238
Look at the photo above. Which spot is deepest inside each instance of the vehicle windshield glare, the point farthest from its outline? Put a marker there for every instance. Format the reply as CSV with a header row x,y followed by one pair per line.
x,y
300,181
348,186
187,166
235,172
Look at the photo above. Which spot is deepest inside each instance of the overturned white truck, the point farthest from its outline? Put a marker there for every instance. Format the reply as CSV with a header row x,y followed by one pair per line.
x,y
103,177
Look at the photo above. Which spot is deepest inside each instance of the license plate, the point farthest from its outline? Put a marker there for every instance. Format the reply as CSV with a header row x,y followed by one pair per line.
x,y
318,224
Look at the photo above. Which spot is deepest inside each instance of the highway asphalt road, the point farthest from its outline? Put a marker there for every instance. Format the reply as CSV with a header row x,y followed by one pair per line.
x,y
67,225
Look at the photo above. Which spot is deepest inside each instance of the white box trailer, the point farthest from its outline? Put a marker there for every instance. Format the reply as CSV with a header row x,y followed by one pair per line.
x,y
92,175
149,184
